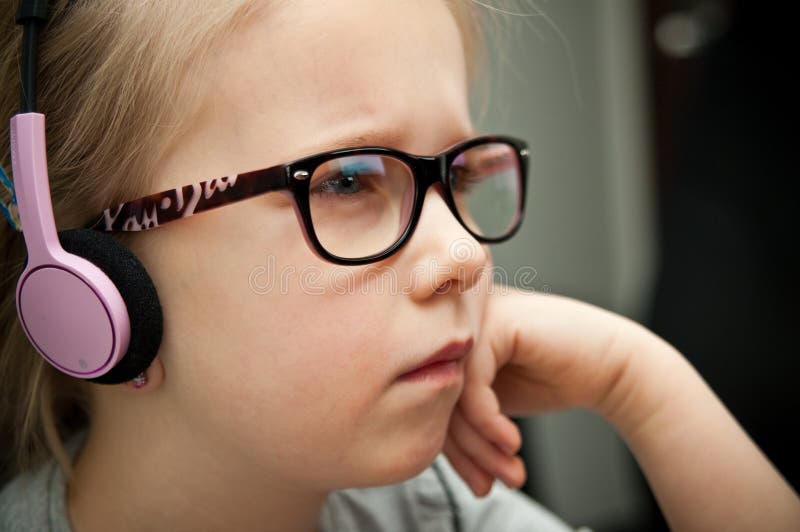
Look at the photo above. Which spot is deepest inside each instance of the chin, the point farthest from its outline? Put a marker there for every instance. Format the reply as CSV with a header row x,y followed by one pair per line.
x,y
402,460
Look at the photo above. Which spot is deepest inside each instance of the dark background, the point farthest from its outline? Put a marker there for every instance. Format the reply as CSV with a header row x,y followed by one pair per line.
x,y
724,134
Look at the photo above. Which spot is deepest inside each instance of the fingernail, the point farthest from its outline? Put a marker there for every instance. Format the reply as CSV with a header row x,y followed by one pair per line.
x,y
507,427
508,449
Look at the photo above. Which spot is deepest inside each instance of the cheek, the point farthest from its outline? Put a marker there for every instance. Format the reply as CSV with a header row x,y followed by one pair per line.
x,y
277,366
294,384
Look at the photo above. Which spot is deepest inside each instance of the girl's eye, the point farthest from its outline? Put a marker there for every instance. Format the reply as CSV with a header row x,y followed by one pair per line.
x,y
343,184
462,180
353,178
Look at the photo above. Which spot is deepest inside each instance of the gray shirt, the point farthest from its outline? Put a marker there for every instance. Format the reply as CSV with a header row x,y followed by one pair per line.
x,y
437,500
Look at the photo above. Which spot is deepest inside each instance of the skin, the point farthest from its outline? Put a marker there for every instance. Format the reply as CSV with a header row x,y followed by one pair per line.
x,y
261,402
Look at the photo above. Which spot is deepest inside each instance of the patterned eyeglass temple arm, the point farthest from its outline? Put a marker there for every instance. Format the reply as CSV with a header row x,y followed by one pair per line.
x,y
181,202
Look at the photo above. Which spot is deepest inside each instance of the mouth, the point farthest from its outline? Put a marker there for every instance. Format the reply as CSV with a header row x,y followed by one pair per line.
x,y
445,361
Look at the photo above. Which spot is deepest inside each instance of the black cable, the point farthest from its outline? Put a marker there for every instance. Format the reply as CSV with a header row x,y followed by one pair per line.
x,y
455,511
32,15
27,90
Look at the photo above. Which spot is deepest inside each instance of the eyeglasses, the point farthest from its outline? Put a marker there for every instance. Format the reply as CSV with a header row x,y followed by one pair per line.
x,y
360,205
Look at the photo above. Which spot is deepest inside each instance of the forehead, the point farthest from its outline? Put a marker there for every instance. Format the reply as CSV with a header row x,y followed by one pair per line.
x,y
312,71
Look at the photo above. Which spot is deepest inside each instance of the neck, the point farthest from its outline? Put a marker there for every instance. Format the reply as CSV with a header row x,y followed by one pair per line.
x,y
142,474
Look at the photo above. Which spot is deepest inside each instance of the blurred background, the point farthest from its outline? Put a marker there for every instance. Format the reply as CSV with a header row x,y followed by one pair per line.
x,y
660,188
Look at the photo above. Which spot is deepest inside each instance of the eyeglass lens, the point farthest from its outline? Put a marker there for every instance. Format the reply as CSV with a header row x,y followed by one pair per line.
x,y
485,181
360,205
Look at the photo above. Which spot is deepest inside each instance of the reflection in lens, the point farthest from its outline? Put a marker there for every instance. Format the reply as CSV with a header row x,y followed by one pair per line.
x,y
486,184
360,204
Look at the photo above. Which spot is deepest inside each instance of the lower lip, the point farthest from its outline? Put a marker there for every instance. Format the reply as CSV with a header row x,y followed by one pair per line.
x,y
439,372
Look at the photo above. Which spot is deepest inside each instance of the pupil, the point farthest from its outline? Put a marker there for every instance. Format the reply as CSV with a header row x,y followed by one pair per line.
x,y
348,181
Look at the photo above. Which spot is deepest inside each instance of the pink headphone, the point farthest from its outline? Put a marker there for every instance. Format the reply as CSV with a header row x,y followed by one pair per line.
x,y
85,302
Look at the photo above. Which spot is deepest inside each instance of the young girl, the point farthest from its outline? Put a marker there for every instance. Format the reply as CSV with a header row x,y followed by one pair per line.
x,y
292,389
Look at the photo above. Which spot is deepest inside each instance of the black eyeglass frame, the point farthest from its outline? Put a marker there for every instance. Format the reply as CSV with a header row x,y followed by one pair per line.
x,y
294,178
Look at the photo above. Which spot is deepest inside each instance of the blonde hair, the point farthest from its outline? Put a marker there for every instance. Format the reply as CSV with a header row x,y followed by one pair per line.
x,y
112,77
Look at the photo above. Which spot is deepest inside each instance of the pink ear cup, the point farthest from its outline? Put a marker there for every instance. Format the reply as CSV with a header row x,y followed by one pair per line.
x,y
70,310
73,315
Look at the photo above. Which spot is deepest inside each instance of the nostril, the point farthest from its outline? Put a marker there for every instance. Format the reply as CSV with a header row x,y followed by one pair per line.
x,y
444,287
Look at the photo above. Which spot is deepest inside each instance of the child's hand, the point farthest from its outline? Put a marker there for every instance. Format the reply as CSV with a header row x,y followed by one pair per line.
x,y
534,353
540,353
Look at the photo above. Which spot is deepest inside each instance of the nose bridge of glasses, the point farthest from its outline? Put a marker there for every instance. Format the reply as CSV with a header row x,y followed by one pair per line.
x,y
432,167
436,188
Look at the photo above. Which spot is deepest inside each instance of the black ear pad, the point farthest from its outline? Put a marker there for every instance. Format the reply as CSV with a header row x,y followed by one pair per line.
x,y
137,290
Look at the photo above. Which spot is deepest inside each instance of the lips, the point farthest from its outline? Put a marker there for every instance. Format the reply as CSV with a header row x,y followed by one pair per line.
x,y
452,350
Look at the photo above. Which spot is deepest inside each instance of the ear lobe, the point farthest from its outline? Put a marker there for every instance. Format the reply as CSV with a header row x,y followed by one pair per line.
x,y
148,380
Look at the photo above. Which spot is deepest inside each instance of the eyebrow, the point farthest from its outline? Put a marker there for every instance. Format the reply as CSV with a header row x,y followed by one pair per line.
x,y
378,137
390,138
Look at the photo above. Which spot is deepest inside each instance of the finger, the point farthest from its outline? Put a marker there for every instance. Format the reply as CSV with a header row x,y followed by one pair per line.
x,y
481,407
512,438
485,454
478,480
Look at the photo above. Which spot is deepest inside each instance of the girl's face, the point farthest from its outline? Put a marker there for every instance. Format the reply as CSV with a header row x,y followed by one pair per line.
x,y
295,372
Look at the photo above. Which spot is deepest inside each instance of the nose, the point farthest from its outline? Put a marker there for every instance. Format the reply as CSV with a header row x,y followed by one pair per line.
x,y
444,255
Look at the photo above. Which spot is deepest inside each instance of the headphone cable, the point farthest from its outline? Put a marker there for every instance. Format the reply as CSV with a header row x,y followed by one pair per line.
x,y
32,15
